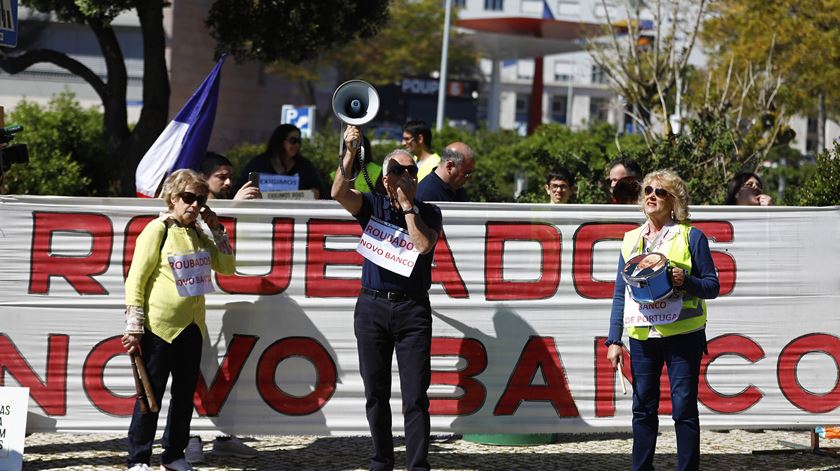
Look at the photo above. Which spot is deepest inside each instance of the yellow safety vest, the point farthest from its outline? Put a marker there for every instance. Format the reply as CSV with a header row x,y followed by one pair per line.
x,y
679,255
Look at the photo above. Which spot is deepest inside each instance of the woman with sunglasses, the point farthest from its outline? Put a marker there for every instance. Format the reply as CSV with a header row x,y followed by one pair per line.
x,y
746,189
677,336
164,296
282,157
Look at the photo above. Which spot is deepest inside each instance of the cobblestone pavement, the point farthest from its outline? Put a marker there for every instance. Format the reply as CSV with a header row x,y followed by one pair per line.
x,y
611,451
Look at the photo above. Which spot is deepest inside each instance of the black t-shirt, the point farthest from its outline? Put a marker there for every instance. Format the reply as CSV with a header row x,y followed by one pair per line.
x,y
309,176
376,277
432,188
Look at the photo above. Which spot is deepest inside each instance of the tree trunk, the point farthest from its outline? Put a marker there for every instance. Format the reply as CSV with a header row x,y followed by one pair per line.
x,y
153,117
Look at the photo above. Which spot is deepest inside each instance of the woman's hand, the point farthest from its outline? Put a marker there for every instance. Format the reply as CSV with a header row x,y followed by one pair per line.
x,y
678,277
615,354
131,342
210,218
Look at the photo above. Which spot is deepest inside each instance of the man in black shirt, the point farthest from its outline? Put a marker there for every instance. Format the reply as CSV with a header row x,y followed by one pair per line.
x,y
446,183
393,310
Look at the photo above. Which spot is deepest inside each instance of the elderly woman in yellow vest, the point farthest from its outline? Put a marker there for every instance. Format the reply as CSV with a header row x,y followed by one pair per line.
x,y
164,297
665,326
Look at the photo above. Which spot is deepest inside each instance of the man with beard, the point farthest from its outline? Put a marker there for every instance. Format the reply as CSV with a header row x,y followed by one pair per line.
x,y
218,171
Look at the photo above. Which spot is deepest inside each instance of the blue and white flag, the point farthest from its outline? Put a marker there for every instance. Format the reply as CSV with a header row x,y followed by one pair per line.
x,y
183,144
547,15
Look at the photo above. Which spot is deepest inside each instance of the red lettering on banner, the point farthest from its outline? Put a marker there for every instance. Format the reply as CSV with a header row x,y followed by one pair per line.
x,y
445,272
51,394
605,378
786,370
721,231
538,353
312,351
474,392
79,271
93,378
280,274
318,258
729,344
605,382
585,238
500,289
133,229
209,402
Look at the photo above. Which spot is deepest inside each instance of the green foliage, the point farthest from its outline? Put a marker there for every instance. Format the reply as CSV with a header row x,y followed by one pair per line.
x,y
823,188
294,30
66,151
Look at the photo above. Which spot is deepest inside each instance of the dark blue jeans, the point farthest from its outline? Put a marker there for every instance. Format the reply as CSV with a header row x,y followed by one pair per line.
x,y
181,358
682,354
381,326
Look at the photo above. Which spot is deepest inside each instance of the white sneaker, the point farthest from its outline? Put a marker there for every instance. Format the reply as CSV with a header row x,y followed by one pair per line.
x,y
178,465
194,453
139,467
232,446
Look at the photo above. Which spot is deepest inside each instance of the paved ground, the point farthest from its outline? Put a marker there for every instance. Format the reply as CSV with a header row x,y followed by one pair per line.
x,y
721,451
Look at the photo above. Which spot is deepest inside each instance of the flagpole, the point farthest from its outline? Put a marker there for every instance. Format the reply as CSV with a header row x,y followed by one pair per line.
x,y
444,53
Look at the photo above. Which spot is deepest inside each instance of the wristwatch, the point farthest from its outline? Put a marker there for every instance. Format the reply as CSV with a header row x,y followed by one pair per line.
x,y
414,209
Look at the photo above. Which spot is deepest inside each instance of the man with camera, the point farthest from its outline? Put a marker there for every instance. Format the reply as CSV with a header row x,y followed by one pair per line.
x,y
393,310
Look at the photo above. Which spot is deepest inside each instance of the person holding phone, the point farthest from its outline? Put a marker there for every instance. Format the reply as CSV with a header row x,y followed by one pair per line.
x,y
164,297
282,157
393,311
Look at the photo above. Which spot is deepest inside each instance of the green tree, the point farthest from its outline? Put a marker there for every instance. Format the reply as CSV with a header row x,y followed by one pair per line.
x,y
66,152
802,37
408,44
823,188
290,29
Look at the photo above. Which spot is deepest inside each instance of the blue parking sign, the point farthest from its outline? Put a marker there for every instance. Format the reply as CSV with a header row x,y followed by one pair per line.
x,y
8,23
301,116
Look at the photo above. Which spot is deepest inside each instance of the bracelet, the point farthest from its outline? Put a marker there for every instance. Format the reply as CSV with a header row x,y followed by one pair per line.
x,y
613,342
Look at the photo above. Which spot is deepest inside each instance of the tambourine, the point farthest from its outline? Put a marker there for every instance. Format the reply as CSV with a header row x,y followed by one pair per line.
x,y
648,276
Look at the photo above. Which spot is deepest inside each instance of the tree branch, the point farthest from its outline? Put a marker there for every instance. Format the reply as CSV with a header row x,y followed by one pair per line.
x,y
19,63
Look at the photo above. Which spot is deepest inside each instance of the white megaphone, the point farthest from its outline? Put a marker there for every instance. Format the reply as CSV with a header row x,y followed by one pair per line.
x,y
355,102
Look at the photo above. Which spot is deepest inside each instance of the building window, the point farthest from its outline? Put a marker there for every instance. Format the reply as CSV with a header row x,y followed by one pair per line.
x,y
559,106
494,5
568,8
525,69
459,3
532,7
564,71
598,74
523,100
598,109
601,11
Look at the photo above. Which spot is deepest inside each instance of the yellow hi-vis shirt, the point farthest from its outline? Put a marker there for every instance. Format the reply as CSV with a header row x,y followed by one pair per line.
x,y
677,251
427,166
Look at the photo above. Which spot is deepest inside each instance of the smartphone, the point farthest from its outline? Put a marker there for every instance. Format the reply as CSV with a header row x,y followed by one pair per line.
x,y
254,177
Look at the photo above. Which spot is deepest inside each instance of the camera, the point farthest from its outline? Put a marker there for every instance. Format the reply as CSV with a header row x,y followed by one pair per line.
x,y
12,154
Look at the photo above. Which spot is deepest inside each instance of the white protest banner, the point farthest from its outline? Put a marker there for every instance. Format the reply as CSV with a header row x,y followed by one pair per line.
x,y
521,295
13,411
388,246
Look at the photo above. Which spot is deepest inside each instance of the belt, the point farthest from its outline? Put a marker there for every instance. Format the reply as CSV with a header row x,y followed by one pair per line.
x,y
392,295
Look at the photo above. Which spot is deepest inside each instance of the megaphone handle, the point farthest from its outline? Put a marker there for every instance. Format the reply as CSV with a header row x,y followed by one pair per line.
x,y
341,150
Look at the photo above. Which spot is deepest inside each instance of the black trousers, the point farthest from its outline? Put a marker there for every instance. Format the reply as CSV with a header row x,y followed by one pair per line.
x,y
382,326
181,358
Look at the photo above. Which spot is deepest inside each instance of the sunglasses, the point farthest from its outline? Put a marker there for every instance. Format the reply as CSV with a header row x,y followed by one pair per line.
x,y
293,140
190,198
661,193
397,169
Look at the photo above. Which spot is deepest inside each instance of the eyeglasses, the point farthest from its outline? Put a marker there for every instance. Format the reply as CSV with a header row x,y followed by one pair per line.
x,y
555,187
661,193
408,139
189,198
293,140
397,169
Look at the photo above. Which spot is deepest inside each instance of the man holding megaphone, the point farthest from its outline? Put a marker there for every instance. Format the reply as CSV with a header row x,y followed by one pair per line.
x,y
393,310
